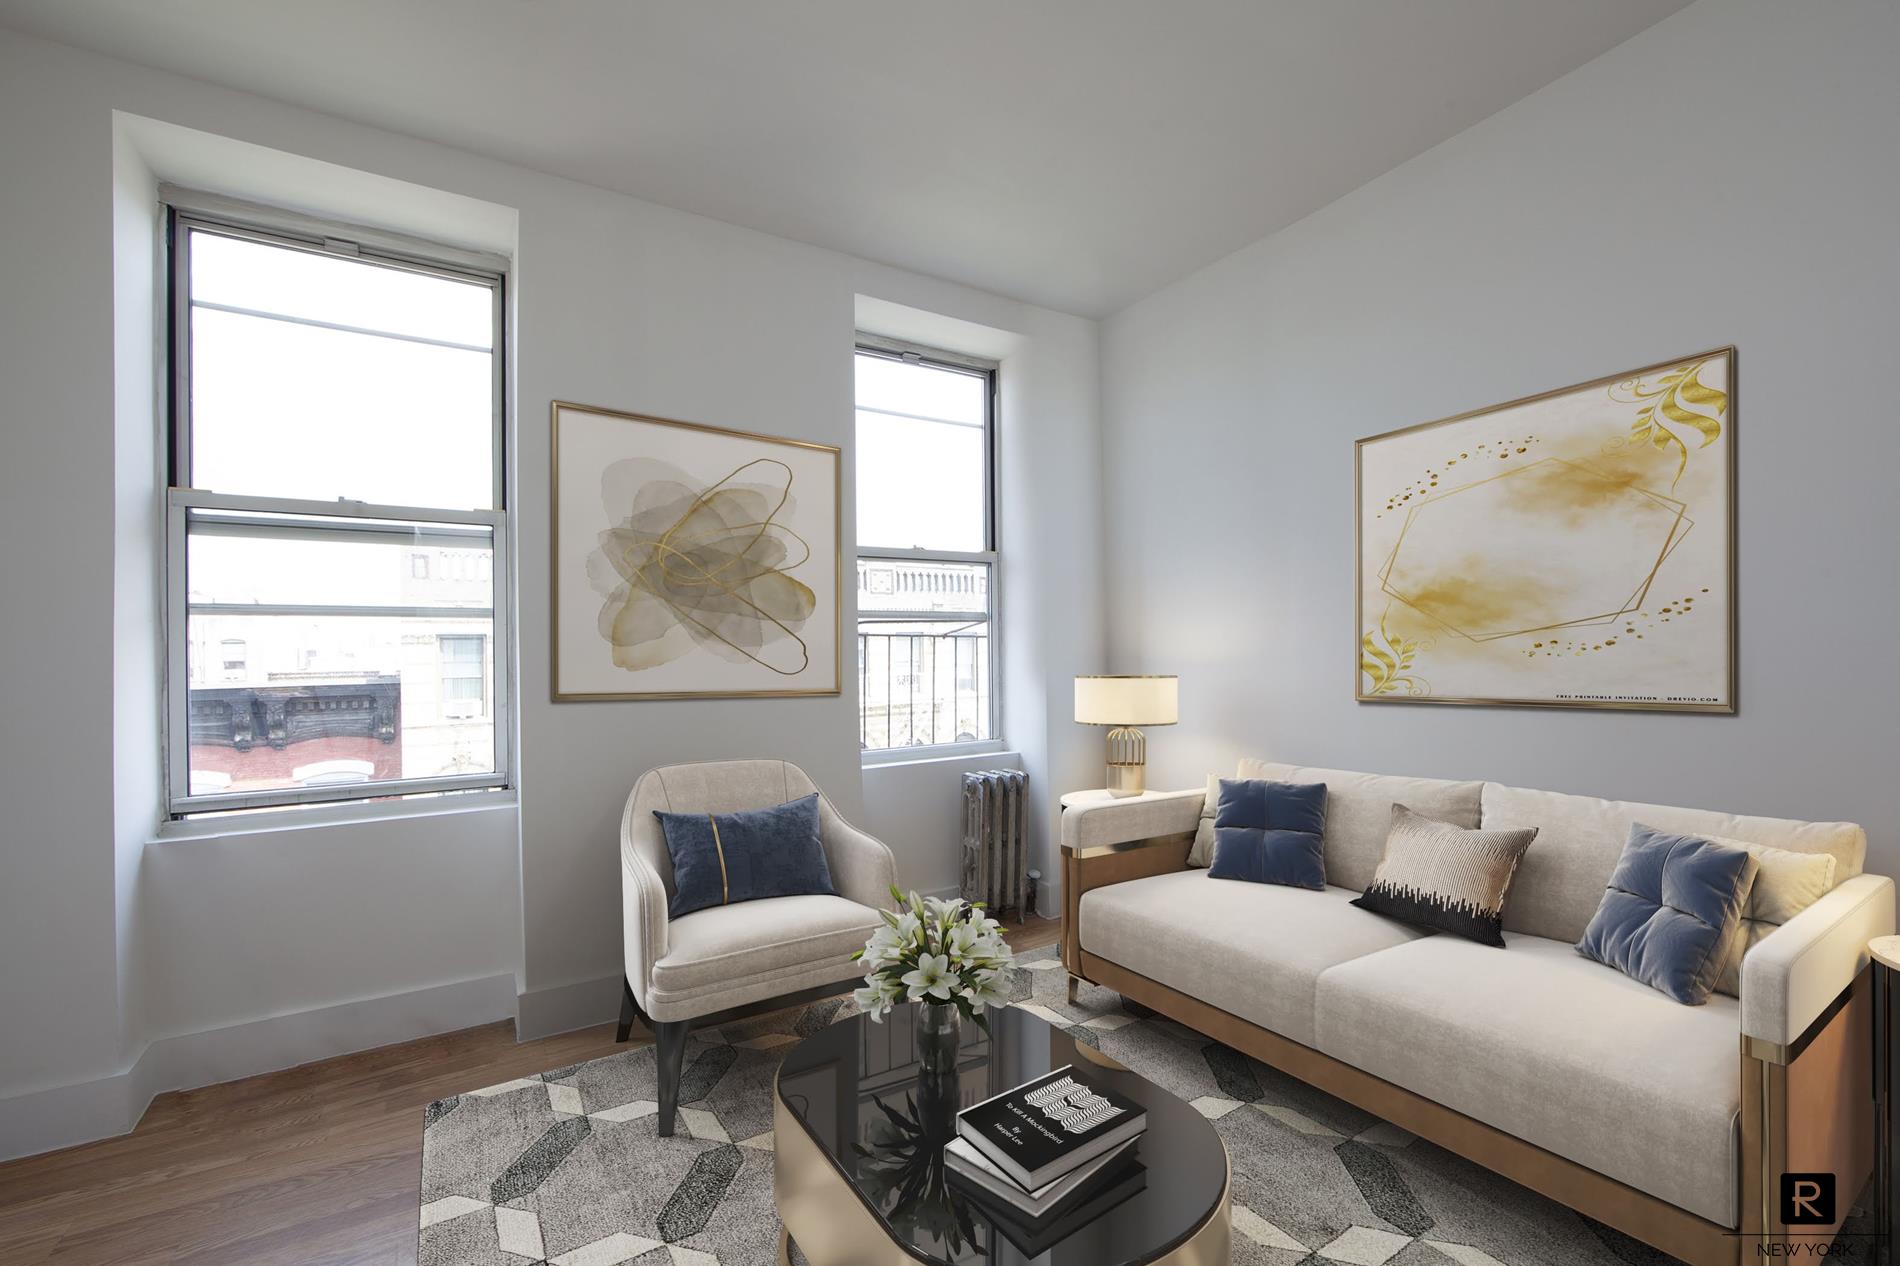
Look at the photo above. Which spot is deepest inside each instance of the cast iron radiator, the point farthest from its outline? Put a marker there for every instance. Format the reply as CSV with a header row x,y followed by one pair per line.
x,y
996,839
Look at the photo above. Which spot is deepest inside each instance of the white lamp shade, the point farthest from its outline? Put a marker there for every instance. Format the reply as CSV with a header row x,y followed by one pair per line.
x,y
1127,701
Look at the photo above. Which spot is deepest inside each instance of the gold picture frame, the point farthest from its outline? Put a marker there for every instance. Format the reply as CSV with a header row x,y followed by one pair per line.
x,y
664,623
1514,596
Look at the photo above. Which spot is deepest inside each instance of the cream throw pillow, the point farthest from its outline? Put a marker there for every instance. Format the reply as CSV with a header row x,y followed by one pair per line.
x,y
1786,884
1202,852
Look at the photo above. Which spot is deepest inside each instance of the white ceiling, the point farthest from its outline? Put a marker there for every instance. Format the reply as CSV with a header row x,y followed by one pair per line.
x,y
1075,153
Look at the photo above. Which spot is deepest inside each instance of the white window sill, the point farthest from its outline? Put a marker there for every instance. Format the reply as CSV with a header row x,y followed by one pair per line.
x,y
319,816
938,754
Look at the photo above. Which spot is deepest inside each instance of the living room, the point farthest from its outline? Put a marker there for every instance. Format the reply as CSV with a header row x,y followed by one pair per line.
x,y
496,416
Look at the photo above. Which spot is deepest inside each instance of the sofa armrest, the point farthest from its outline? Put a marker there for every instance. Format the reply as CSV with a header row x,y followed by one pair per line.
x,y
862,867
1103,823
1792,976
642,915
1111,841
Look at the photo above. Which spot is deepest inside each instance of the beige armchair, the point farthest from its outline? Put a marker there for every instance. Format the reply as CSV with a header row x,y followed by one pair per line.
x,y
719,964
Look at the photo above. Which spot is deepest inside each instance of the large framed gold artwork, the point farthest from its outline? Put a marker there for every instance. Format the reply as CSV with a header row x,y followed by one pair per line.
x,y
692,561
1574,549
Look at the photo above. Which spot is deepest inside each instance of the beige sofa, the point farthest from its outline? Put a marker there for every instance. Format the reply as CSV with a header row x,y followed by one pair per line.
x,y
1670,1122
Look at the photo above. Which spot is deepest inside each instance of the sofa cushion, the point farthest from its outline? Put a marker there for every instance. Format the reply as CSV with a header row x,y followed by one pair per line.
x,y
719,949
1555,1049
1269,833
1254,950
1580,838
1785,885
1672,912
1201,852
1451,878
1359,811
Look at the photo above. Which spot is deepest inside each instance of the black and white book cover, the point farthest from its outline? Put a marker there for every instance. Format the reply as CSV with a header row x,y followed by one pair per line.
x,y
1043,1129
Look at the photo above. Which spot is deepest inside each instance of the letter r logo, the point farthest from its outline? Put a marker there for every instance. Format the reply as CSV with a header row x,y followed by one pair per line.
x,y
1807,1199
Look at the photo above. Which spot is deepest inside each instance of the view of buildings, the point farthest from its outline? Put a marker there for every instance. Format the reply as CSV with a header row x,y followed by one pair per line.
x,y
282,699
923,653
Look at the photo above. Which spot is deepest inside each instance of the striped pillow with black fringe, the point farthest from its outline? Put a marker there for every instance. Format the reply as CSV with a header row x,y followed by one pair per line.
x,y
1436,875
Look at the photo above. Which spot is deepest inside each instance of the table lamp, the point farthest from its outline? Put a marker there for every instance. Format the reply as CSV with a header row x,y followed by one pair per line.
x,y
1126,702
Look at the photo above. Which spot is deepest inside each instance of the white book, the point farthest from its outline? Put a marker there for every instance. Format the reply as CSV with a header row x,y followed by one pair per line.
x,y
1044,1128
972,1166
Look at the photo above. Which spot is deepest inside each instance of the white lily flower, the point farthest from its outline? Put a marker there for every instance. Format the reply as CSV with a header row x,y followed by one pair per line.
x,y
930,979
966,941
872,1000
943,910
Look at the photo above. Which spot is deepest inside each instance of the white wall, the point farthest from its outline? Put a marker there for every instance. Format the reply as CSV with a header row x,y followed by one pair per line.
x,y
248,942
916,808
58,908
1726,177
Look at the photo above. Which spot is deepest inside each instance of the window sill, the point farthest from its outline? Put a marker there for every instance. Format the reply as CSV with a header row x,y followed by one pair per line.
x,y
939,754
320,816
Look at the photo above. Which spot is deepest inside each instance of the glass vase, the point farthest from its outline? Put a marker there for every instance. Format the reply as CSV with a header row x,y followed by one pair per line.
x,y
939,1030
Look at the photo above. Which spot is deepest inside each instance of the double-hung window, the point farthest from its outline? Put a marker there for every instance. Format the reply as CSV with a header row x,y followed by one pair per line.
x,y
336,552
926,548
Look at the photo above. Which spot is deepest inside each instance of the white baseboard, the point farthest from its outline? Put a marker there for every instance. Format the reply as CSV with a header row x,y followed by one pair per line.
x,y
564,1008
63,1116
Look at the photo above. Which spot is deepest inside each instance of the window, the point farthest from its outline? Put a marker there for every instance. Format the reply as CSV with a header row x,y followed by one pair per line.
x,y
464,675
926,547
336,553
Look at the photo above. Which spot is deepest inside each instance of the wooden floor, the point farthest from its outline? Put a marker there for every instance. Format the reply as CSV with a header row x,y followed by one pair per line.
x,y
318,1165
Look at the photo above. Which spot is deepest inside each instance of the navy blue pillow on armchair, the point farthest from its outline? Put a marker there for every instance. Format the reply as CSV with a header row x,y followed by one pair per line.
x,y
1270,833
720,858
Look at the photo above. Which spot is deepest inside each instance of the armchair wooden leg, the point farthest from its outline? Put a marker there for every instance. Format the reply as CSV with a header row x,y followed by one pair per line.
x,y
671,1053
628,1010
1075,984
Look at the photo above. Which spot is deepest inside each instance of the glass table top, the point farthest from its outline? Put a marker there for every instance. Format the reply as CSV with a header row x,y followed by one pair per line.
x,y
859,1092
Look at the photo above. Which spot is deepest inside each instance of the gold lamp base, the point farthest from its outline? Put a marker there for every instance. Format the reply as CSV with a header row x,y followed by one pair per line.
x,y
1127,761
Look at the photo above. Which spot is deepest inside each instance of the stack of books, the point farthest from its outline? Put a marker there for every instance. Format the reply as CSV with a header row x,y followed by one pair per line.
x,y
1048,1157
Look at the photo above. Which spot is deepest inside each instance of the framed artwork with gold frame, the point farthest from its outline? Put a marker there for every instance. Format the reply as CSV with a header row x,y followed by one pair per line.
x,y
1573,549
692,561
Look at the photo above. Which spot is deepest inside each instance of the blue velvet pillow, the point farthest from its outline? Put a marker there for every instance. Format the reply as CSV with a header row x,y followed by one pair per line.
x,y
720,858
1673,904
1270,833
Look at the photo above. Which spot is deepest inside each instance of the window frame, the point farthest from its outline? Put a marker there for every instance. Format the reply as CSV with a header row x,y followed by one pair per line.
x,y
920,354
186,212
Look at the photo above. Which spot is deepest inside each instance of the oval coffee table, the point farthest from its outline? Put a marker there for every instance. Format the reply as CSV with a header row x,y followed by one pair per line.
x,y
858,1131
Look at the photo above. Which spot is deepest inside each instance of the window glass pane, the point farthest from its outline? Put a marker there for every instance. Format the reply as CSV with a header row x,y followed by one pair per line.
x,y
285,559
926,391
286,410
915,586
233,272
923,682
290,687
322,699
922,456
922,483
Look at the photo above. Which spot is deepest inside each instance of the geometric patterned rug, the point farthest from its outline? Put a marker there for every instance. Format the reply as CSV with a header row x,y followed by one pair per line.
x,y
566,1168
